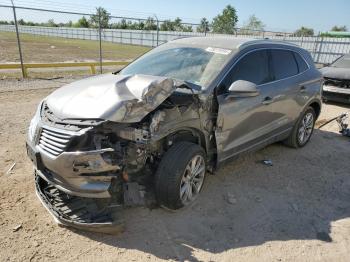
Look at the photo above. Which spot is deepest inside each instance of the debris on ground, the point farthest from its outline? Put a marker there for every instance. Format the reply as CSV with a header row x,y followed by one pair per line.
x,y
230,198
267,162
258,199
341,119
50,78
11,168
16,228
295,207
32,256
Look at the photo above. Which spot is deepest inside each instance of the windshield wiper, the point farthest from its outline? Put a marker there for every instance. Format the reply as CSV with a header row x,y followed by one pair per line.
x,y
116,72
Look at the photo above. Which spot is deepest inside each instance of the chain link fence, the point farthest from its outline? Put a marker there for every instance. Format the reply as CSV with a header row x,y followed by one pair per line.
x,y
51,36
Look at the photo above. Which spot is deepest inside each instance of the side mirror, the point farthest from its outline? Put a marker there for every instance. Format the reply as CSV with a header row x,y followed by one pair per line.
x,y
242,88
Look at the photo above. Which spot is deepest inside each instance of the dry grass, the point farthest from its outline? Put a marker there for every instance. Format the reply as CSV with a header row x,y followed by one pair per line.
x,y
43,49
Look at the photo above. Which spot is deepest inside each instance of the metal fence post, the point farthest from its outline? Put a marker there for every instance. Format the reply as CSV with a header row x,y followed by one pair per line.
x,y
319,50
24,72
157,29
100,37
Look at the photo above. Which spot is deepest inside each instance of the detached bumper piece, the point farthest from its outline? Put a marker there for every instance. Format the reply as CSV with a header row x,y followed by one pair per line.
x,y
96,215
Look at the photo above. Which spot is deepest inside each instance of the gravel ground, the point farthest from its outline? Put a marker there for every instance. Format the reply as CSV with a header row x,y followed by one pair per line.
x,y
296,210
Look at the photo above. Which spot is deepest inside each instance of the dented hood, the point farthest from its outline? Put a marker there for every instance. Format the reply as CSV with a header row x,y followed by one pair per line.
x,y
111,97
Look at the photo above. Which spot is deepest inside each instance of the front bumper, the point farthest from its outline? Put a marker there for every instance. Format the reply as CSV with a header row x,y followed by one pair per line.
x,y
84,174
87,214
333,93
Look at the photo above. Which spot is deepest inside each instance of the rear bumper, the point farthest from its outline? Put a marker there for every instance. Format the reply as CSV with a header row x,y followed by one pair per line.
x,y
82,213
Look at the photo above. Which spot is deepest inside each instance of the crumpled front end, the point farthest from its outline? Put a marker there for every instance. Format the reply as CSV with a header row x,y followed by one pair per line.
x,y
106,165
73,162
78,177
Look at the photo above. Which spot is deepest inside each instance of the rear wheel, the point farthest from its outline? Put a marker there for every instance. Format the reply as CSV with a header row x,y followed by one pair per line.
x,y
180,175
303,129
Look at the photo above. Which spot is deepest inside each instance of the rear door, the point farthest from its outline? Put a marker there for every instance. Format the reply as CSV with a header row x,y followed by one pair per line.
x,y
286,69
244,123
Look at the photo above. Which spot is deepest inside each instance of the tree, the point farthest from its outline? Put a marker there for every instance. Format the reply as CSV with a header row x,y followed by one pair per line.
x,y
150,24
304,31
177,24
339,28
254,23
167,25
187,28
51,23
123,24
21,22
82,22
225,23
101,15
204,26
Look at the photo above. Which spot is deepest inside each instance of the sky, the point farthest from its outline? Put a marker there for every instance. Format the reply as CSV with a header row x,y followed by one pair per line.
x,y
321,15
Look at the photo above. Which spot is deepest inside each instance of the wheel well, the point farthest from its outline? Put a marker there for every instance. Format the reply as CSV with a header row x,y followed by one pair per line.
x,y
188,135
316,107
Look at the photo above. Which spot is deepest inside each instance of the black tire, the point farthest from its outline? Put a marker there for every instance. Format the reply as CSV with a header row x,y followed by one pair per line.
x,y
171,170
293,140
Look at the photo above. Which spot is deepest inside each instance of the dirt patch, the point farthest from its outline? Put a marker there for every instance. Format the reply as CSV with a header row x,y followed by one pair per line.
x,y
296,210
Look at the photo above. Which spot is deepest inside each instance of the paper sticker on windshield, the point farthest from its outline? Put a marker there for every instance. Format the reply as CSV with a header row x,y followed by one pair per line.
x,y
221,51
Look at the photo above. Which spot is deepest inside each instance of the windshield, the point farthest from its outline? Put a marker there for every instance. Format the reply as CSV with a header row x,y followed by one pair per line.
x,y
197,65
343,62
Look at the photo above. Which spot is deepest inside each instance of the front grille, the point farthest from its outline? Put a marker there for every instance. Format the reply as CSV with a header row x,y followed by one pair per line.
x,y
54,141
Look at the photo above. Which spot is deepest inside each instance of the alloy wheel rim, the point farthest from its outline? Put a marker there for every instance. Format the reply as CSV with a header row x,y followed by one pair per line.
x,y
192,179
305,128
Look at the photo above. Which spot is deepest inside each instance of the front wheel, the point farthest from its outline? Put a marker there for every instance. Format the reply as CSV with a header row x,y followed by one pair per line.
x,y
302,130
180,175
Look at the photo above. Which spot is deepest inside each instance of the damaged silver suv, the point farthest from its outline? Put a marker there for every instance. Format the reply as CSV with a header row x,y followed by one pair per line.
x,y
149,134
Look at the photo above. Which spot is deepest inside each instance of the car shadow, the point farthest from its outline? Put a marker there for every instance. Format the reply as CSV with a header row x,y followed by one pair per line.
x,y
248,203
333,103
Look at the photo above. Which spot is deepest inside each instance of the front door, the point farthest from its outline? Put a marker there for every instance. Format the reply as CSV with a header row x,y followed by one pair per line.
x,y
244,123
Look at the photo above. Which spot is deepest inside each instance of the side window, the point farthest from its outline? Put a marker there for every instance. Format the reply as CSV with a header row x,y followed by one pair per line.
x,y
283,64
302,66
253,67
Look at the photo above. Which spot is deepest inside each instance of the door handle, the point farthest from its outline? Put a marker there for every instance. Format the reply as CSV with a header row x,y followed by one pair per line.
x,y
267,100
302,89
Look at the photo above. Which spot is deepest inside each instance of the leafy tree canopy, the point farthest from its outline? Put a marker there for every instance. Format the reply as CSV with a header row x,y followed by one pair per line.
x,y
304,31
339,28
226,21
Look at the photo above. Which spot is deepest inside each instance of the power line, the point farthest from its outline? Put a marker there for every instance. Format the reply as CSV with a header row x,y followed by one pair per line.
x,y
88,8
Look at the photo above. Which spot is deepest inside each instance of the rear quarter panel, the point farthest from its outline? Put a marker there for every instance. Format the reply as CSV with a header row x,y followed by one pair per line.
x,y
312,81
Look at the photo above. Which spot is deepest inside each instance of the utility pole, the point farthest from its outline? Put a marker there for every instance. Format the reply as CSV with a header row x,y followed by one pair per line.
x,y
24,74
100,37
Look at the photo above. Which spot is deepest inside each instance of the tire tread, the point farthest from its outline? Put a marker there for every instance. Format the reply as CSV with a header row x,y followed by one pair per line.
x,y
170,170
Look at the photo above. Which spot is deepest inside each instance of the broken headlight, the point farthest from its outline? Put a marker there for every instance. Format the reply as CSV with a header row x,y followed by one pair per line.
x,y
34,123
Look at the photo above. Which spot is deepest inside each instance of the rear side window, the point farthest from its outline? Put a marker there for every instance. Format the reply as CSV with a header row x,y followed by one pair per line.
x,y
302,66
283,64
253,67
